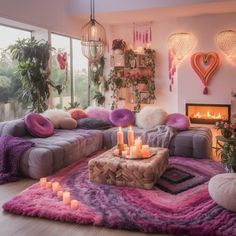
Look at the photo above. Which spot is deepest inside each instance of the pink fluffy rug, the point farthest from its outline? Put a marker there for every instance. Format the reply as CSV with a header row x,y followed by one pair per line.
x,y
191,212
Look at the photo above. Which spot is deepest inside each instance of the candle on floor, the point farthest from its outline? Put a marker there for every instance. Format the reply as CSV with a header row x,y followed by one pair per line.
x,y
55,187
43,182
120,137
116,152
74,204
66,198
49,184
130,137
60,194
145,151
133,152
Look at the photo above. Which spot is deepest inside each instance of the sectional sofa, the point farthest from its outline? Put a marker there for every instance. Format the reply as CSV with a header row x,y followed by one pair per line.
x,y
67,146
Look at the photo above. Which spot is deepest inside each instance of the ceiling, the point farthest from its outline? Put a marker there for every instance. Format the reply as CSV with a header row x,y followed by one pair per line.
x,y
127,11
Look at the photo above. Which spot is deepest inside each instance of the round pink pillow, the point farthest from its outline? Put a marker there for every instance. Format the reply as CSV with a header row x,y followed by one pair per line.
x,y
178,121
38,126
77,113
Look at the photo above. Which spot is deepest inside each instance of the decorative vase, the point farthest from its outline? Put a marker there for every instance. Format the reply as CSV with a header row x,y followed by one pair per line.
x,y
118,52
226,133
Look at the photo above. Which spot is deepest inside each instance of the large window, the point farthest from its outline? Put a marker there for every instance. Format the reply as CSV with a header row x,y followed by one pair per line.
x,y
11,105
72,78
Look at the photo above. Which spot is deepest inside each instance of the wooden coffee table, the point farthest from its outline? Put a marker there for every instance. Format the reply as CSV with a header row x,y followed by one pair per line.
x,y
141,173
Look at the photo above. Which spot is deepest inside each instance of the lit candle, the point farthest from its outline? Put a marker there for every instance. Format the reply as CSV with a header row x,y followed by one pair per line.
x,y
66,198
130,137
43,182
138,144
55,187
124,154
49,184
74,204
116,152
133,152
120,137
60,194
145,151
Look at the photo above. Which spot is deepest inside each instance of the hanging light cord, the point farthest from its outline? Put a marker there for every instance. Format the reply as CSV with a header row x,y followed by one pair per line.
x,y
92,10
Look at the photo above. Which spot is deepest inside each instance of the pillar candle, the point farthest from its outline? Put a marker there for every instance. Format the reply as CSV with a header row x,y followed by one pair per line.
x,y
66,198
49,184
55,187
124,154
145,151
60,194
133,152
43,182
130,137
74,204
120,136
138,144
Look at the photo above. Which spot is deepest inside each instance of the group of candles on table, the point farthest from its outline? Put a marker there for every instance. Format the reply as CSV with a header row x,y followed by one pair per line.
x,y
56,188
134,148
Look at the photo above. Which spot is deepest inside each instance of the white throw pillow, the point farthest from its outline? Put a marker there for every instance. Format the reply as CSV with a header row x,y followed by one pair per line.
x,y
150,117
56,115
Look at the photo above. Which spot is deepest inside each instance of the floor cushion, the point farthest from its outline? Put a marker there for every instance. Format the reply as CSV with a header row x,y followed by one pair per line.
x,y
98,113
150,117
68,123
90,123
178,121
122,117
222,189
56,115
77,113
38,126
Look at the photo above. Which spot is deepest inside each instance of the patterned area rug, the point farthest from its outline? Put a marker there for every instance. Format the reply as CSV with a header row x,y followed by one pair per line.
x,y
190,212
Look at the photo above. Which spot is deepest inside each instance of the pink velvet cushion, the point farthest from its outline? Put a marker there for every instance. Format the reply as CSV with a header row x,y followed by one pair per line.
x,y
77,113
99,113
178,121
122,117
38,126
222,189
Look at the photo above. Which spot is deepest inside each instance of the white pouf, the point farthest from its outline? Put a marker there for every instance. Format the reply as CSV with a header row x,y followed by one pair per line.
x,y
222,189
150,117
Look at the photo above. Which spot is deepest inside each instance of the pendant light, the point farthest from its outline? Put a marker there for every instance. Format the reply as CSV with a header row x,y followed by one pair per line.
x,y
93,39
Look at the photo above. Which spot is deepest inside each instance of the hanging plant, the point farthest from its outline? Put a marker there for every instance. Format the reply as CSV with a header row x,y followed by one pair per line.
x,y
32,57
99,98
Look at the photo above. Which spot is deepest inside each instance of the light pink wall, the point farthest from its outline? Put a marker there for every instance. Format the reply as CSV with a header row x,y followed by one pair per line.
x,y
187,86
190,88
50,14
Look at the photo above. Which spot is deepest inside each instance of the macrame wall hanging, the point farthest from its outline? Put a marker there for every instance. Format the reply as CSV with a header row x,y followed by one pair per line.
x,y
142,34
205,65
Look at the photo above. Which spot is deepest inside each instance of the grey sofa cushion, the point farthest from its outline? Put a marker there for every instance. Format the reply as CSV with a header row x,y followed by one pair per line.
x,y
90,123
195,142
14,128
63,148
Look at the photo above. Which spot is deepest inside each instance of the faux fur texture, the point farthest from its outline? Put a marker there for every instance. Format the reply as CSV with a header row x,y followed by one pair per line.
x,y
56,115
150,117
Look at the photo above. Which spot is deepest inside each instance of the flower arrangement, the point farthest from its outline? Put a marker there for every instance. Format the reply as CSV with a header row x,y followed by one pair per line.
x,y
118,44
227,130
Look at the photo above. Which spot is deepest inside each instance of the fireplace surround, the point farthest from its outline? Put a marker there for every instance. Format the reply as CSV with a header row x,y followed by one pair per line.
x,y
207,113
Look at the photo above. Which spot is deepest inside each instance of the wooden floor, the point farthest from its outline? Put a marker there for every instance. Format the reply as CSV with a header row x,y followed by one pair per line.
x,y
28,226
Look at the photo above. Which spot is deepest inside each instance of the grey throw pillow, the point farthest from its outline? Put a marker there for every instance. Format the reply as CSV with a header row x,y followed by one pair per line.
x,y
90,123
15,128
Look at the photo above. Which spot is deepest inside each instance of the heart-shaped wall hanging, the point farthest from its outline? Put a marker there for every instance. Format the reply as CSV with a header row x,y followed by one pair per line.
x,y
205,65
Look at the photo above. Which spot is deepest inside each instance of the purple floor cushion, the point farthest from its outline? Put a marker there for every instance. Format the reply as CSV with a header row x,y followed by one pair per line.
x,y
178,121
38,126
122,117
98,113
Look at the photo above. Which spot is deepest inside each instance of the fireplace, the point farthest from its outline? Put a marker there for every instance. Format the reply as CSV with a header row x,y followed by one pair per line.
x,y
207,113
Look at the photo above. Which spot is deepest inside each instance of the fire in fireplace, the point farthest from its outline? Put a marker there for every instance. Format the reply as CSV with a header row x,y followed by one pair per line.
x,y
207,113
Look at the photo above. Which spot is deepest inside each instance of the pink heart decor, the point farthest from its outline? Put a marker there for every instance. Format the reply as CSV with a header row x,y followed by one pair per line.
x,y
205,65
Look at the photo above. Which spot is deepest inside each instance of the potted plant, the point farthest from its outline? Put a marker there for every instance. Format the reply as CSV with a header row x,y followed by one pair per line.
x,y
119,46
32,57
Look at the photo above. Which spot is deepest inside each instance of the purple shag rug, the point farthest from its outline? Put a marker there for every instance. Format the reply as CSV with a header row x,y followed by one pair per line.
x,y
191,212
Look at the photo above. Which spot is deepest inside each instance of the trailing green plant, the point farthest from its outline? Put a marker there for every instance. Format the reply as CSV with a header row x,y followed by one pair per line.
x,y
129,56
72,105
32,57
99,98
118,44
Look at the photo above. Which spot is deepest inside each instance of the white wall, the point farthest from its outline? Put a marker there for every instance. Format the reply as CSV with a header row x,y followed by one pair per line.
x,y
187,86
